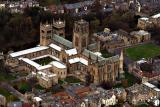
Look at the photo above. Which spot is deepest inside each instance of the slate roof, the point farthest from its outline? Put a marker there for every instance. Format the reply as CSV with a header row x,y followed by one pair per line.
x,y
79,4
62,41
92,55
101,60
92,46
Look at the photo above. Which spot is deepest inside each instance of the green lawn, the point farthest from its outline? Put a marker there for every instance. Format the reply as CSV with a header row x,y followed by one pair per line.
x,y
39,87
72,79
22,87
143,51
44,61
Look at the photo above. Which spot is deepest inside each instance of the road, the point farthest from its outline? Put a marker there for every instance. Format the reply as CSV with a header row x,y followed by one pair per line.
x,y
13,91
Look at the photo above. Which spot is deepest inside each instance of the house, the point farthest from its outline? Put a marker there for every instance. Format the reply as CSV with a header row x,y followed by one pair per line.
x,y
140,93
3,101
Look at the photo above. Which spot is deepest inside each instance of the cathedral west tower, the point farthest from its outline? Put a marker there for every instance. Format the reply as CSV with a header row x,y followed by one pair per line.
x,y
45,34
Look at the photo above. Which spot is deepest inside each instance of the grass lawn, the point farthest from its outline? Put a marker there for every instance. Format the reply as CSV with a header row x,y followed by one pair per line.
x,y
23,87
44,61
143,51
39,87
72,79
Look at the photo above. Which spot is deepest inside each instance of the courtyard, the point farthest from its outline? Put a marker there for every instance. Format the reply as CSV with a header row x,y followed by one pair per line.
x,y
44,61
149,50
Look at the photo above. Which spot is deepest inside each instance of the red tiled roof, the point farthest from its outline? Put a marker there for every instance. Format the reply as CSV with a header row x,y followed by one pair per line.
x,y
82,90
61,94
146,74
149,75
26,105
68,101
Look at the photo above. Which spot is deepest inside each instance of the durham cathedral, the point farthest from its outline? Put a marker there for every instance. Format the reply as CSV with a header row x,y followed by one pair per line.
x,y
79,58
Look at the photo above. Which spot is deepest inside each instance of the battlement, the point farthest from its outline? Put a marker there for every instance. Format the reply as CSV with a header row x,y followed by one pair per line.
x,y
46,25
59,24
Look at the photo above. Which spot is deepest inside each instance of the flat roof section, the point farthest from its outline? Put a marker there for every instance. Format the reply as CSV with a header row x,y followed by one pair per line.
x,y
27,51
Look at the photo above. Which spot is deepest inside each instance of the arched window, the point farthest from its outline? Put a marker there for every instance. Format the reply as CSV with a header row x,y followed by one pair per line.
x,y
76,41
84,42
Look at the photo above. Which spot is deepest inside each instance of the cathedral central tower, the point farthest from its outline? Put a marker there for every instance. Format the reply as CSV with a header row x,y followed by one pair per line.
x,y
80,35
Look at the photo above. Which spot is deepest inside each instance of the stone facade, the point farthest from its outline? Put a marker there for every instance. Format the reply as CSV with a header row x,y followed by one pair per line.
x,y
144,23
45,34
46,31
80,96
119,39
141,93
80,35
141,36
149,22
59,27
153,74
2,101
108,101
47,79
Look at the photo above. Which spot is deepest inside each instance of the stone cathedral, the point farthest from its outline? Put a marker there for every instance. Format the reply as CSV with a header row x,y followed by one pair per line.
x,y
79,57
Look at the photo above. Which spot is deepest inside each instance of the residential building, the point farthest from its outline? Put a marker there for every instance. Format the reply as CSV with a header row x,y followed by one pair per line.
x,y
80,96
119,39
151,73
3,101
149,22
142,93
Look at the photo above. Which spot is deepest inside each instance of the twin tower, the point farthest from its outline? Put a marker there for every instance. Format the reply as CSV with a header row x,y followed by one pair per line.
x,y
80,33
